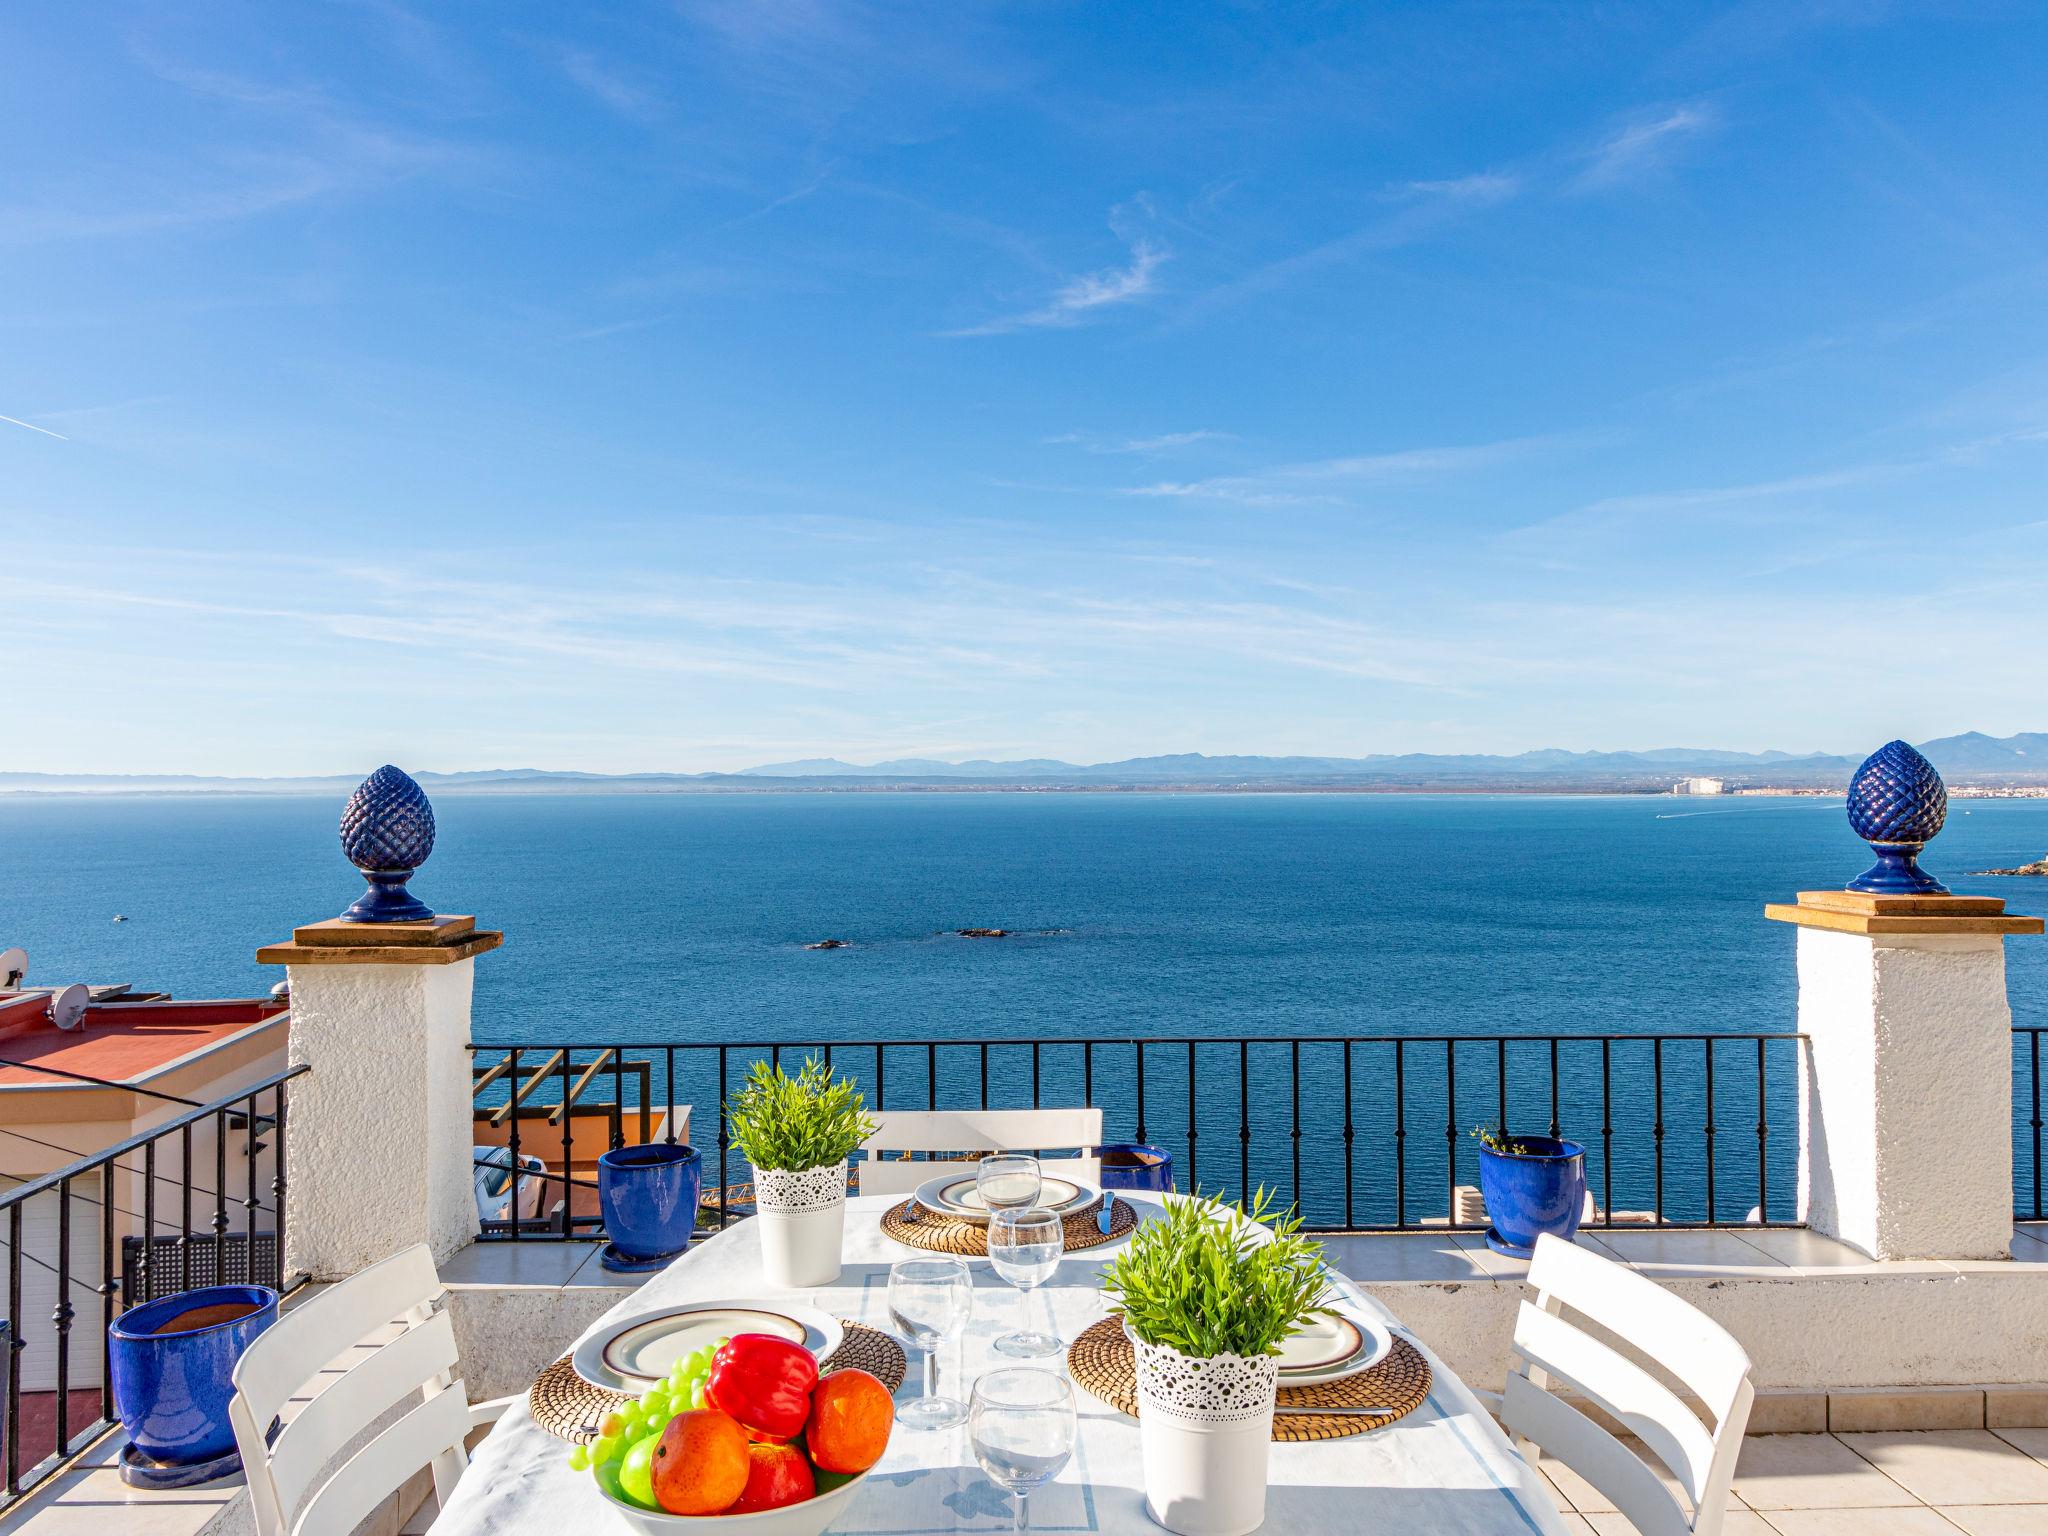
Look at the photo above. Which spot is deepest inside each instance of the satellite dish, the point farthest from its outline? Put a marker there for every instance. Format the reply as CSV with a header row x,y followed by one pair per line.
x,y
283,990
13,966
68,1005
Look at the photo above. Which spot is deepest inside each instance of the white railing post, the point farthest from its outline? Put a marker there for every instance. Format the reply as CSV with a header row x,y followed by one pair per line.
x,y
378,1138
1905,1146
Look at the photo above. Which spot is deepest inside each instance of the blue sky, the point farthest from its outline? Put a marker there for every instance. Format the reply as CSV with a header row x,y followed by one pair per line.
x,y
689,386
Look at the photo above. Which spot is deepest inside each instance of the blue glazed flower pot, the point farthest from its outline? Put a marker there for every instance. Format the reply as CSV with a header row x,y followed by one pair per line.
x,y
1529,1196
172,1388
649,1198
1136,1165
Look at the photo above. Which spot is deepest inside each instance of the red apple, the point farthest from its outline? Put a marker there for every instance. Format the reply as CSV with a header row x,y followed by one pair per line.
x,y
777,1474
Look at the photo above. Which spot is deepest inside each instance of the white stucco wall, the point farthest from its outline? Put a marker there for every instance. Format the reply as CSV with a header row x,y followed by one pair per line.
x,y
1906,1107
378,1149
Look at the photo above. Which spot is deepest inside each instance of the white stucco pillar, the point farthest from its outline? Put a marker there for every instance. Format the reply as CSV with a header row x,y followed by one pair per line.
x,y
1906,1098
378,1132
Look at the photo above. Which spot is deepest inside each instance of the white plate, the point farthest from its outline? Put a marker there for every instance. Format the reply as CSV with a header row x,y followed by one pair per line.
x,y
953,1194
1331,1339
1378,1341
635,1352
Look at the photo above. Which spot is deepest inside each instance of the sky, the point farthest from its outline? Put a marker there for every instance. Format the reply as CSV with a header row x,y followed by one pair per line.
x,y
689,386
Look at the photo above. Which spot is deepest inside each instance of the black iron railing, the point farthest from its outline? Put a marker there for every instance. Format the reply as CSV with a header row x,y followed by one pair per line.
x,y
1361,1133
2027,1197
197,1200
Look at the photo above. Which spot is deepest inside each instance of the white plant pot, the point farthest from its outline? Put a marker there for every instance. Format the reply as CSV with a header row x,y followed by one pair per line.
x,y
1206,1429
802,1217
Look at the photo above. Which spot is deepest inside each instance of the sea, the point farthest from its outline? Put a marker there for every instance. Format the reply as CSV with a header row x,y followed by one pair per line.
x,y
686,919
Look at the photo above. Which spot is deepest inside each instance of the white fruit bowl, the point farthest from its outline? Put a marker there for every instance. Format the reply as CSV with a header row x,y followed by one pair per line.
x,y
806,1519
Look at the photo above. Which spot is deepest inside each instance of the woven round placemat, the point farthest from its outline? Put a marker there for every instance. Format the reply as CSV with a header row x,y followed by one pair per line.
x,y
1103,1363
569,1408
969,1239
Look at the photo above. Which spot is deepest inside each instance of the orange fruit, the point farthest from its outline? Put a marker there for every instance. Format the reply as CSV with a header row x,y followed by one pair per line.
x,y
701,1465
851,1416
777,1474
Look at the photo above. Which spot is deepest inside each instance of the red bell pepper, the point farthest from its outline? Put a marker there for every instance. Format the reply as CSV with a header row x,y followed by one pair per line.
x,y
764,1382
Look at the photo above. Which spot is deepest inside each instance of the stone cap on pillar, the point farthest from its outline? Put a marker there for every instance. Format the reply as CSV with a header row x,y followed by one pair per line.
x,y
440,940
1864,912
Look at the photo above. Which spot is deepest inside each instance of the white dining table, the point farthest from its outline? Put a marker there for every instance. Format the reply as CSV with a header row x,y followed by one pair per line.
x,y
1443,1470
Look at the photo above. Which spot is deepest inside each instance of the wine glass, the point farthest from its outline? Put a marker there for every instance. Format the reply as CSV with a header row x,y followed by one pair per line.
x,y
1024,1247
930,1299
1022,1427
1008,1181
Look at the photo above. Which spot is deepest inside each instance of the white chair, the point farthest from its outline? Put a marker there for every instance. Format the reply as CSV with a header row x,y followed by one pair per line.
x,y
303,1342
977,1131
1684,1342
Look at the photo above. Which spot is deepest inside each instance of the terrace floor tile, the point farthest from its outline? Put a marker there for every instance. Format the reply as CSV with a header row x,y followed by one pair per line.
x,y
1955,1466
1779,1472
1909,1520
1999,1519
1388,1256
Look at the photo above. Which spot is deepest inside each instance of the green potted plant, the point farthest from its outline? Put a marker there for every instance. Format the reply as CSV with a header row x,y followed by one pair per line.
x,y
798,1133
1207,1294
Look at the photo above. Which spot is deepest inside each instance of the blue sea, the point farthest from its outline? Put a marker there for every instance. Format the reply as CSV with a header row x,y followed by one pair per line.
x,y
684,918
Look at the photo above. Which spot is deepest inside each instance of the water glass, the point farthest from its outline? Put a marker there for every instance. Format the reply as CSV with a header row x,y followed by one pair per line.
x,y
1022,1427
930,1300
1008,1181
1024,1247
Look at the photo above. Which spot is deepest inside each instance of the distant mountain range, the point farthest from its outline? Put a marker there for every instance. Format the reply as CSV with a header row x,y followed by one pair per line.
x,y
1969,758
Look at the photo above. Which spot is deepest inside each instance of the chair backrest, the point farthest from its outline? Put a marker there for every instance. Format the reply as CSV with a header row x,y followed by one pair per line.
x,y
976,1130
306,1340
1684,1342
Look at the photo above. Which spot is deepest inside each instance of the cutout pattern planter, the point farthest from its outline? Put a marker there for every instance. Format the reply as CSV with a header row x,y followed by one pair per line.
x,y
803,1223
1205,1427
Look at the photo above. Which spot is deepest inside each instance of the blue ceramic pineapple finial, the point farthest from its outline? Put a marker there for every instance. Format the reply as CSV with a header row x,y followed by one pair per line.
x,y
1897,803
387,831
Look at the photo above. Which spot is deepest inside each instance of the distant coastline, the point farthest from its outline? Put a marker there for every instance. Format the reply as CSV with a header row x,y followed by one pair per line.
x,y
1972,763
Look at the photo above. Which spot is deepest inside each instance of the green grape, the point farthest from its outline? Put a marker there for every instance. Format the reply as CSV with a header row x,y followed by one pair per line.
x,y
697,1395
654,1403
611,1424
636,1472
603,1450
579,1459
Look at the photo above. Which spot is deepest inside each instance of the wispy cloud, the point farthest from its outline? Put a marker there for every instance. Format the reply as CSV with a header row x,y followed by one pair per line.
x,y
1326,480
1083,297
1644,147
1409,212
1165,442
299,144
1482,187
18,422
610,86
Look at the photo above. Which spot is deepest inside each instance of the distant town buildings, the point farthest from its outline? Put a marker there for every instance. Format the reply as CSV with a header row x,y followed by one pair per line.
x,y
1700,786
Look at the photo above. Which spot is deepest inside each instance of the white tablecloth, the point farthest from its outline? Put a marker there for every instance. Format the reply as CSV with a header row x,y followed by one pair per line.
x,y
1444,1470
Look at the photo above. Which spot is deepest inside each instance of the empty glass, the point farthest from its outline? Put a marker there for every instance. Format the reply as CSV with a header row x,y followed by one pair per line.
x,y
930,1300
1024,1247
1008,1181
1022,1427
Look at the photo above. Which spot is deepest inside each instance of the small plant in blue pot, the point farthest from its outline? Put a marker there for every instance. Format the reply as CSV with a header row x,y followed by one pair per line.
x,y
1531,1185
173,1374
649,1199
